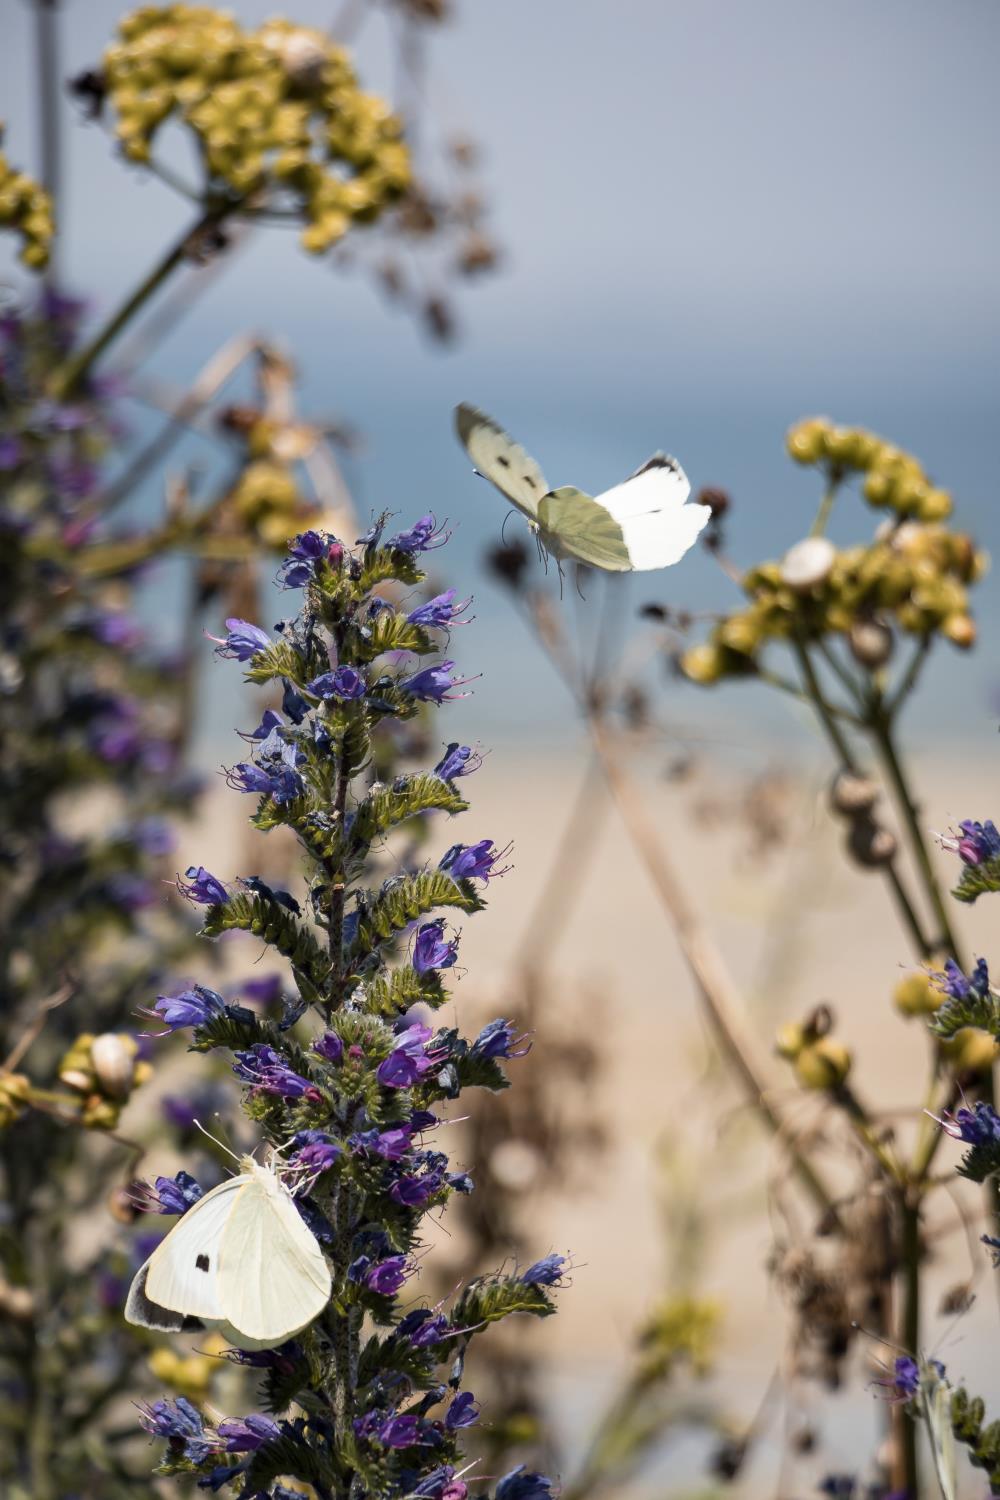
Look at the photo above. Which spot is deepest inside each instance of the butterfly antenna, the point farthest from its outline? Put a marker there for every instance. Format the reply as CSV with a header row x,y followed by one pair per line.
x,y
215,1140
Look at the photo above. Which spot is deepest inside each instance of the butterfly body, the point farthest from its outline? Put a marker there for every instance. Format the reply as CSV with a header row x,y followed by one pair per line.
x,y
640,524
241,1259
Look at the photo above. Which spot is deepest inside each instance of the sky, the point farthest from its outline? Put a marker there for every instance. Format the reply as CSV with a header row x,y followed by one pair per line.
x,y
715,218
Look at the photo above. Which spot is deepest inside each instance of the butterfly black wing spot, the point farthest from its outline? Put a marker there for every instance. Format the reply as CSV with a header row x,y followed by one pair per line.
x,y
529,481
502,460
202,1262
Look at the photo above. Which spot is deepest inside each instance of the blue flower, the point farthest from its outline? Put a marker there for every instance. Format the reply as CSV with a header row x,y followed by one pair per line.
x,y
175,1195
422,1327
246,1434
305,554
344,683
405,1431
182,1424
329,1046
979,1126
430,950
433,684
408,1061
201,886
278,780
474,861
463,1412
979,842
267,1072
242,640
421,537
497,1039
387,1276
548,1271
960,986
441,612
315,1152
458,760
993,1245
521,1484
193,1007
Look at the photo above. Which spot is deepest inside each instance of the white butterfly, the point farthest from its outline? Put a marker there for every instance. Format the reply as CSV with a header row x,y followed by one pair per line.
x,y
241,1260
640,524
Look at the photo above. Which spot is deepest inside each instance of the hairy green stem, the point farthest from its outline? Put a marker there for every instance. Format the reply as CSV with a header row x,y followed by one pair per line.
x,y
68,376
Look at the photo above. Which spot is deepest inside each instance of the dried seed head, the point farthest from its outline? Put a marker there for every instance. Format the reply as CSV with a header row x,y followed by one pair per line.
x,y
871,643
851,794
871,845
808,564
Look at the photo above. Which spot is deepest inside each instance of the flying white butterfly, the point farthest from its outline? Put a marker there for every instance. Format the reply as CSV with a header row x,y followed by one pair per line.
x,y
241,1260
640,524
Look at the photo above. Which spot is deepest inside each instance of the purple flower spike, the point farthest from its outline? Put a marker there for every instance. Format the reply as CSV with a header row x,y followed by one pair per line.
x,y
434,684
546,1272
202,887
424,536
441,612
977,843
474,861
267,1072
175,1195
193,1007
344,683
458,760
247,1434
181,1424
242,640
463,1412
497,1039
431,950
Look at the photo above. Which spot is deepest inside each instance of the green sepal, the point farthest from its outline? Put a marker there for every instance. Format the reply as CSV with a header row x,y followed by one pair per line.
x,y
977,880
385,564
390,631
279,659
981,1010
291,1458
404,899
248,912
392,993
237,1030
386,806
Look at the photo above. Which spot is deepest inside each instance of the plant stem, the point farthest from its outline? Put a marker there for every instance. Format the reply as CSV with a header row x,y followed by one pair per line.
x,y
825,506
849,762
909,1331
69,375
48,75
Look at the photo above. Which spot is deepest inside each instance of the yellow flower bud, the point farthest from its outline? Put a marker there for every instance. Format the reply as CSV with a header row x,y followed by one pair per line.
x,y
971,1050
705,664
789,1040
740,633
935,506
917,995
824,1064
960,630
806,441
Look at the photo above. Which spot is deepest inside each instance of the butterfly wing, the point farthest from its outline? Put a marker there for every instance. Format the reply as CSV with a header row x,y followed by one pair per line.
x,y
273,1278
573,524
935,1398
500,460
657,526
141,1310
181,1274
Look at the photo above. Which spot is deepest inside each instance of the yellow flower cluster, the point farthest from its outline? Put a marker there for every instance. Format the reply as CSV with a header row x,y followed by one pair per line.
x,y
914,575
266,502
189,1375
15,1091
277,113
104,1070
820,1060
26,207
894,480
680,1328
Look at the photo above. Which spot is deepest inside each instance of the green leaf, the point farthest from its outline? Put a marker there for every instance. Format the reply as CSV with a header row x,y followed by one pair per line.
x,y
977,880
385,564
248,912
404,899
386,806
390,631
279,659
393,993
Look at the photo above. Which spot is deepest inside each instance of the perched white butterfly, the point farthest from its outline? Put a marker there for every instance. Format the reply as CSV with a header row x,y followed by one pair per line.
x,y
241,1260
640,524
935,1407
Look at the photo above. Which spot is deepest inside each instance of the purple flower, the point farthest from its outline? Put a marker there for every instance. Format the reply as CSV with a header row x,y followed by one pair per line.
x,y
263,991
329,1046
441,612
993,1245
430,950
11,451
407,1062
307,551
422,537
387,1276
153,836
277,780
175,1195
242,640
463,1412
316,1157
193,1007
978,842
546,1272
414,1192
959,986
202,887
521,1484
404,1431
497,1039
266,1071
906,1373
441,1484
458,760
182,1425
433,684
246,1434
423,1327
979,1126
474,861
344,683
